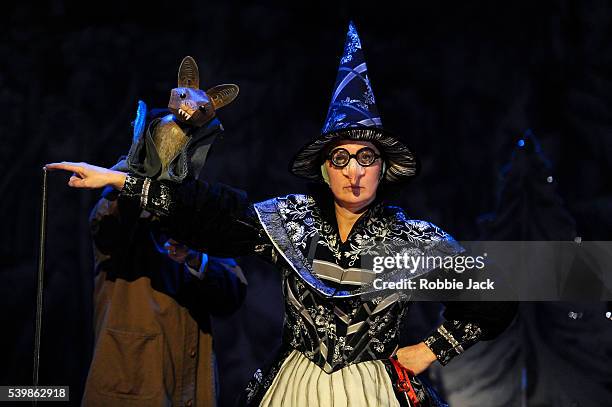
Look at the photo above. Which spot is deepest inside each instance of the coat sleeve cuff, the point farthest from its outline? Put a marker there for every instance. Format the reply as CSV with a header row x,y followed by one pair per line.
x,y
154,196
452,338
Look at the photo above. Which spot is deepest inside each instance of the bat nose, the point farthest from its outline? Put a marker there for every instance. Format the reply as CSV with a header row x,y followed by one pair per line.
x,y
190,104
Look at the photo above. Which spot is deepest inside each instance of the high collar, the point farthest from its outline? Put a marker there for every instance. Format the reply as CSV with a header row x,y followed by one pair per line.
x,y
306,236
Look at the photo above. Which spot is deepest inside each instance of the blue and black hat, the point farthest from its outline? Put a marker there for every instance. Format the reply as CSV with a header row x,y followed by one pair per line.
x,y
353,115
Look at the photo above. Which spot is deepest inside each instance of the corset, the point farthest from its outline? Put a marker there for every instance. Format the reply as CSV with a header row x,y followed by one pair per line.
x,y
336,332
333,313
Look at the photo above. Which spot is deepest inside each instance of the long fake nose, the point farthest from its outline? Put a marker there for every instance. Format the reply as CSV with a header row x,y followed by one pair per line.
x,y
353,171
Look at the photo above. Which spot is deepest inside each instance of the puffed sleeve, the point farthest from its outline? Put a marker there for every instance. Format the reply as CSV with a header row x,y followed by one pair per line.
x,y
212,218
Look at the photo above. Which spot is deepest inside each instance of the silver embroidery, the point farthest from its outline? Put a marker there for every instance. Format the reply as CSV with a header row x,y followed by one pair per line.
x,y
163,200
144,197
349,328
130,186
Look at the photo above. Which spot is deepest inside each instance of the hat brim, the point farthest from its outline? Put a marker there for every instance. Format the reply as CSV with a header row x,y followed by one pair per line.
x,y
401,162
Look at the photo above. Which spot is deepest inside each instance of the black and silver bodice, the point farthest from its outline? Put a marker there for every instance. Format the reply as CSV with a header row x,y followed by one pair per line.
x,y
336,332
334,316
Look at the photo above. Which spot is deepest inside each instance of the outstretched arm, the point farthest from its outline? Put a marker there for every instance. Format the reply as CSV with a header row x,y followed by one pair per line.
x,y
89,176
212,218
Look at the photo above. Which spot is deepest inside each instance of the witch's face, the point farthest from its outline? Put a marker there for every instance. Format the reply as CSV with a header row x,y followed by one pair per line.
x,y
353,184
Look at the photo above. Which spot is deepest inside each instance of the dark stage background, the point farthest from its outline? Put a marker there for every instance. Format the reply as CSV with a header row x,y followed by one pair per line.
x,y
460,81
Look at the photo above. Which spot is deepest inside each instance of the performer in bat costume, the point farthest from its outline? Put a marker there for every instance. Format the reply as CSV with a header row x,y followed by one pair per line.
x,y
154,296
341,343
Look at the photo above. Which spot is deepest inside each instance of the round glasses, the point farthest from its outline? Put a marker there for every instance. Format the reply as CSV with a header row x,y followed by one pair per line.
x,y
340,157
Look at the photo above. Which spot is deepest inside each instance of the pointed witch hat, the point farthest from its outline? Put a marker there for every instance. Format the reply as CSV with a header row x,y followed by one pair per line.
x,y
353,115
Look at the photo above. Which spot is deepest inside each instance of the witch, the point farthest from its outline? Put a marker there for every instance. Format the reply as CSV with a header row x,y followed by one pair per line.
x,y
341,342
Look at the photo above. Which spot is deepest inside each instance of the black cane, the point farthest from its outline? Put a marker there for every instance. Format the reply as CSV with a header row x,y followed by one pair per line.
x,y
40,279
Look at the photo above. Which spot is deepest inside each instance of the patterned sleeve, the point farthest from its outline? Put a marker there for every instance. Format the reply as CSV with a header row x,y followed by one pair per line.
x,y
452,338
212,218
467,323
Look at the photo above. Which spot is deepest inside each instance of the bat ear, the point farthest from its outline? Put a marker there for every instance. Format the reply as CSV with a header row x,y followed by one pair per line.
x,y
188,74
139,121
222,95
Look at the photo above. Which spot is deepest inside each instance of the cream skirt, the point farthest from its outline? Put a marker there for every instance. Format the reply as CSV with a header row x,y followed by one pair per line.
x,y
300,382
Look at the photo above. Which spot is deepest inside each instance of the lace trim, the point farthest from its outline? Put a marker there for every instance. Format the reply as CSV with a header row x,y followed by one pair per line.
x,y
144,198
